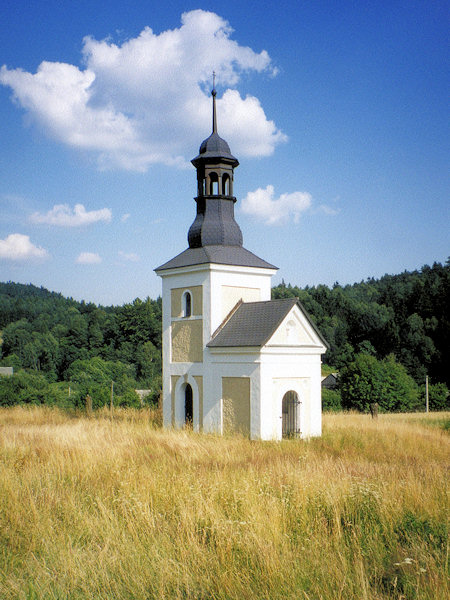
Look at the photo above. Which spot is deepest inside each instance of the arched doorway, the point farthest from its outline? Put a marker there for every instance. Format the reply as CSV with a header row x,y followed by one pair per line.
x,y
291,414
188,406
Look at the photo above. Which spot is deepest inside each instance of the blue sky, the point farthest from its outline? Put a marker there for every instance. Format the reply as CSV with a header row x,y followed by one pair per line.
x,y
337,112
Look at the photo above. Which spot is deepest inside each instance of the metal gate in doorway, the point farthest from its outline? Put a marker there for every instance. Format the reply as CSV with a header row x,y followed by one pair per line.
x,y
291,414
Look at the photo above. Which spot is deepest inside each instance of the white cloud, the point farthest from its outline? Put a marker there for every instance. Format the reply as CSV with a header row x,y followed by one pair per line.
x,y
125,217
130,256
273,211
147,100
20,248
246,123
63,216
88,258
328,210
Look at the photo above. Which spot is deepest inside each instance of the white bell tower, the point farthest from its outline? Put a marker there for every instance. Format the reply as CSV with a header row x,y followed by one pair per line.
x,y
202,285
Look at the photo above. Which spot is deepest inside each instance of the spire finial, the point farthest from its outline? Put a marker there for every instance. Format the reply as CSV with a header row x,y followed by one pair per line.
x,y
213,94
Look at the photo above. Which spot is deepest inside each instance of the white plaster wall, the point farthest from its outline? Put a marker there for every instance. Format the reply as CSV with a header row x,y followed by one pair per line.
x,y
231,295
273,372
212,277
284,371
275,368
315,427
181,278
292,358
214,368
238,364
245,277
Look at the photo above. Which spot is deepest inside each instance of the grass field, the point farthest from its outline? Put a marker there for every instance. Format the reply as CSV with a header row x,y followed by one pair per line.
x,y
112,509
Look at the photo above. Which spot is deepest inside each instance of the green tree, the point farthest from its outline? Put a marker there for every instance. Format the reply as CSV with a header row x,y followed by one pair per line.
x,y
148,362
140,321
15,337
438,396
94,377
23,388
402,391
367,380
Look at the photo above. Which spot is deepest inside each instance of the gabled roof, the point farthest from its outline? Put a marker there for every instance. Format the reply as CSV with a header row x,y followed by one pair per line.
x,y
254,323
222,255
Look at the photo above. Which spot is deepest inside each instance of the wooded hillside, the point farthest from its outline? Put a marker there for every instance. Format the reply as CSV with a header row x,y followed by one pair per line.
x,y
58,339
62,339
406,315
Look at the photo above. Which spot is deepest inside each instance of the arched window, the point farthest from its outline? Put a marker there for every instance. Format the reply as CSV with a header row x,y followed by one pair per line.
x,y
214,183
188,406
291,414
187,304
226,185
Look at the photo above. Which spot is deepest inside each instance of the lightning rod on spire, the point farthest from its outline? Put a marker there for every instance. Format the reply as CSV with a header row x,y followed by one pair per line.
x,y
213,94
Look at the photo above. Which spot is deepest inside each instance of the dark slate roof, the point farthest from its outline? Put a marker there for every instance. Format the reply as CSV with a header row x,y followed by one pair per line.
x,y
222,255
214,224
254,323
215,147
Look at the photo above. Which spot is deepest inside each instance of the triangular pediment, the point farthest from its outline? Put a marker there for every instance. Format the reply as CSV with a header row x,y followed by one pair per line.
x,y
296,329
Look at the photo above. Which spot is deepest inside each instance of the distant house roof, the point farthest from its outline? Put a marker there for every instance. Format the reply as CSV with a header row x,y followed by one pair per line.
x,y
254,323
223,255
330,381
335,375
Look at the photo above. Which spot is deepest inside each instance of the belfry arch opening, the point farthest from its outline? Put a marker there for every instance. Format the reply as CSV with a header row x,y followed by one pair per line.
x,y
226,185
188,406
290,415
214,184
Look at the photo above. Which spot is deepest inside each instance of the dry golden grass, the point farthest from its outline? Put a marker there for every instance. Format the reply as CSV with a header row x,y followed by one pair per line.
x,y
110,509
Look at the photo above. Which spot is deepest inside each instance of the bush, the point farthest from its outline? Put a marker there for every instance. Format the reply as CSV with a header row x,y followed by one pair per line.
x,y
331,400
130,399
23,387
367,380
12,360
94,377
90,377
438,396
58,395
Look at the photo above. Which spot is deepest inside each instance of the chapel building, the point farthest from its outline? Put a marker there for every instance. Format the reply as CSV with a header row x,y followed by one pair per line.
x,y
233,359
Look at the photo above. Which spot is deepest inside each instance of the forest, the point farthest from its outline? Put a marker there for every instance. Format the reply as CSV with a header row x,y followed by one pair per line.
x,y
395,328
